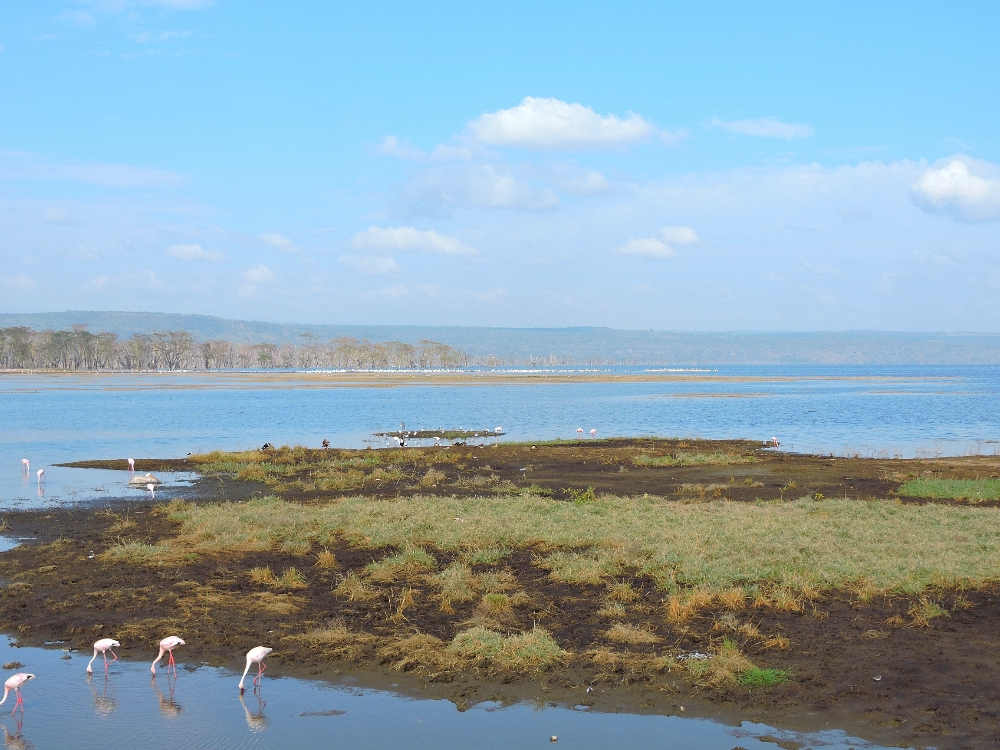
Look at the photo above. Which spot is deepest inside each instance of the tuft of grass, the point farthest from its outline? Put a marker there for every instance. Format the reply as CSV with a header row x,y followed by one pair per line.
x,y
724,668
924,610
538,491
406,600
581,496
612,610
406,564
622,591
734,598
432,478
263,576
352,588
532,651
326,560
337,641
291,578
973,490
622,633
760,677
591,566
457,581
489,555
685,605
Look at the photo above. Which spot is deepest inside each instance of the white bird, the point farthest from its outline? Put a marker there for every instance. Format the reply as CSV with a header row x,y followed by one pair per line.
x,y
14,683
102,647
131,466
41,475
25,465
152,494
167,646
579,432
593,433
774,442
255,656
498,430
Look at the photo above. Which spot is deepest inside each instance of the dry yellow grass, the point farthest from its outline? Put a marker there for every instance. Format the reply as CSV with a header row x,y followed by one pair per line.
x,y
352,588
531,651
723,669
622,633
682,607
326,560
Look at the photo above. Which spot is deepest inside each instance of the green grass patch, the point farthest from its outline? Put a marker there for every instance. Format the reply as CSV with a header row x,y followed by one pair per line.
x,y
974,490
683,458
759,677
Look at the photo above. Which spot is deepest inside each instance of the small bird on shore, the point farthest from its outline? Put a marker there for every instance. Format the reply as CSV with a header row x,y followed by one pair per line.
x,y
102,647
131,466
14,683
167,646
41,475
255,656
25,465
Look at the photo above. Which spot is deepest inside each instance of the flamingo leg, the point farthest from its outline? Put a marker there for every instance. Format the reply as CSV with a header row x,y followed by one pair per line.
x,y
261,666
20,701
113,654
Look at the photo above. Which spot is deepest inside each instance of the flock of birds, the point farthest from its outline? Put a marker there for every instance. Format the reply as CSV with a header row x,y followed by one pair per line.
x,y
107,645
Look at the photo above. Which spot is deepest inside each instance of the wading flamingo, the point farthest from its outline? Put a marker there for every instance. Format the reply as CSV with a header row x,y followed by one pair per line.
x,y
255,655
41,475
579,433
102,647
167,646
151,487
131,466
14,683
25,465
774,442
593,433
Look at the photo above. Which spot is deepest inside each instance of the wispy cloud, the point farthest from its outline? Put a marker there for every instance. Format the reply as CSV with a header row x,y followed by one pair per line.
x,y
194,252
374,265
408,238
401,149
552,124
765,127
966,188
259,274
438,190
660,247
26,166
280,243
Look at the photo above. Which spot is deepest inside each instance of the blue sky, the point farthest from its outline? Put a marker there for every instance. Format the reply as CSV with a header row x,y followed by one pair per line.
x,y
710,166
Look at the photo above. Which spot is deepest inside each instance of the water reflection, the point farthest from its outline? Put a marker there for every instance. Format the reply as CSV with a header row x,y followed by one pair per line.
x,y
104,704
15,740
255,720
168,706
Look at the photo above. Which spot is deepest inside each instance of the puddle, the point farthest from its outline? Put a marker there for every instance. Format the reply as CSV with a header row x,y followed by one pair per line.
x,y
65,486
202,708
9,542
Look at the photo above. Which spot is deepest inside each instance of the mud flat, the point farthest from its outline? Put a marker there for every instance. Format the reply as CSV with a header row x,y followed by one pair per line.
x,y
720,576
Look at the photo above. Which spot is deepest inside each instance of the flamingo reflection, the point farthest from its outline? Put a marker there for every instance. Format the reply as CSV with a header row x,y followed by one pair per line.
x,y
255,720
104,704
15,741
168,706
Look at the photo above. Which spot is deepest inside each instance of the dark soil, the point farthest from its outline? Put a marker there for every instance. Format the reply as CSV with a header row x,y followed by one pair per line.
x,y
891,683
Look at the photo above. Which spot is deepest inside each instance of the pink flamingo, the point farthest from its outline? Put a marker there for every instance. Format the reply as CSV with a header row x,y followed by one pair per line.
x,y
131,466
152,494
774,442
102,647
579,433
593,433
167,646
255,656
25,465
41,475
14,683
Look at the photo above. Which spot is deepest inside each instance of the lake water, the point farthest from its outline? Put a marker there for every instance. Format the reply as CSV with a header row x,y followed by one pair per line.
x,y
202,708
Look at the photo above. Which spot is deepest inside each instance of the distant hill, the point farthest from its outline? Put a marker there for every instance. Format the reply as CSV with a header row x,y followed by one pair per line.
x,y
577,345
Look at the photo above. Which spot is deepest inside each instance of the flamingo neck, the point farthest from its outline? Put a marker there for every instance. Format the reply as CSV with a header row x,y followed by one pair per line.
x,y
6,691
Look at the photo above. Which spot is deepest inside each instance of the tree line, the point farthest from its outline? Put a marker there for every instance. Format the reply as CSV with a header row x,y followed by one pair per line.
x,y
22,348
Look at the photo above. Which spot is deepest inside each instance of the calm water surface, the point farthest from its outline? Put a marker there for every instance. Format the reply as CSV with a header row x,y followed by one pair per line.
x,y
202,708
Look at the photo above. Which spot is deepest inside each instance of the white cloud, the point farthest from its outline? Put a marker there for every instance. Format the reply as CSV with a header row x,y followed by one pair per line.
x,y
966,188
280,243
435,191
765,127
679,236
194,252
56,215
548,123
395,292
24,166
373,265
22,282
646,247
144,37
259,274
392,146
408,238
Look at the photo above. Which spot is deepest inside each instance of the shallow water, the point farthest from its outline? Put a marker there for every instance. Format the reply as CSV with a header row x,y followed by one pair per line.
x,y
201,708
66,486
